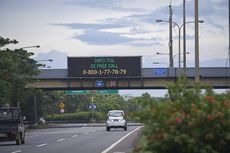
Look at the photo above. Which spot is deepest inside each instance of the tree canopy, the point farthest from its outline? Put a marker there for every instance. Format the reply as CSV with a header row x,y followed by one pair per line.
x,y
16,70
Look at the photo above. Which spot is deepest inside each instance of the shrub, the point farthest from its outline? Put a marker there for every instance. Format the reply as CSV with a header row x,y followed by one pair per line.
x,y
76,117
192,123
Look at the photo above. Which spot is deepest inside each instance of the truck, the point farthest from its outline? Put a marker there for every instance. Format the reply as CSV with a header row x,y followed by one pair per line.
x,y
11,125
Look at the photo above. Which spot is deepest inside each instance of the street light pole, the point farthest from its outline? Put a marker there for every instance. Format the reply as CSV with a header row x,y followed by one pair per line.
x,y
184,36
170,36
184,51
179,52
197,71
229,39
179,35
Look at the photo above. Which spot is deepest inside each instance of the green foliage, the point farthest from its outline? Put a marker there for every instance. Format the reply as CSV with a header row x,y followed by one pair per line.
x,y
7,41
193,122
48,103
16,70
77,117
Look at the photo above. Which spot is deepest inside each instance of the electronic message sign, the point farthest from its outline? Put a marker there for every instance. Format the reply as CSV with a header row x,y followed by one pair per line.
x,y
104,66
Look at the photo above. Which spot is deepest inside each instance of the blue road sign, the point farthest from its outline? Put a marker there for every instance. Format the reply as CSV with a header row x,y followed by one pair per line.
x,y
99,83
160,72
92,106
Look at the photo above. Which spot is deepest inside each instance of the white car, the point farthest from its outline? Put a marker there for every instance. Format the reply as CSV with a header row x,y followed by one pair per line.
x,y
116,119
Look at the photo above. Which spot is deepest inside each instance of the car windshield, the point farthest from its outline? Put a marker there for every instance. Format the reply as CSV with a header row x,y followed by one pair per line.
x,y
116,114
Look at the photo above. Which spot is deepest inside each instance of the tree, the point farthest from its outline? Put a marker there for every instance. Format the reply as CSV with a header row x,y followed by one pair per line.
x,y
17,69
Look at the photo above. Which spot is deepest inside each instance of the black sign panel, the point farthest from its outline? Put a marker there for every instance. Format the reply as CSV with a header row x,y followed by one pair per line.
x,y
104,66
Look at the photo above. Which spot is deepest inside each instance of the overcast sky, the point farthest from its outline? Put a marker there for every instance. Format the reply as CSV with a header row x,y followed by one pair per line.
x,y
114,28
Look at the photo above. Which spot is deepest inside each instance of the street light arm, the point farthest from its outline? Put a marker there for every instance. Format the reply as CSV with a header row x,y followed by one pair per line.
x,y
200,21
49,60
160,63
179,54
159,53
36,46
179,27
158,20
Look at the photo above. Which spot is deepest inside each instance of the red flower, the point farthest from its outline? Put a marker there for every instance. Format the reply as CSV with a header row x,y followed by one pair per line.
x,y
210,99
210,117
179,120
225,104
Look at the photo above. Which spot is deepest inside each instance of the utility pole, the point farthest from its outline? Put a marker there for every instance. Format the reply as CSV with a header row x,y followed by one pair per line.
x,y
184,37
229,39
197,71
170,36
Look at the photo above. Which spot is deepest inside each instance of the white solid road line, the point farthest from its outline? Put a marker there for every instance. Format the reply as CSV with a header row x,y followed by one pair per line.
x,y
113,145
61,139
17,151
41,145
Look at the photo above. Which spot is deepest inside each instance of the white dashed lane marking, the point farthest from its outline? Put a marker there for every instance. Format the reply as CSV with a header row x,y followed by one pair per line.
x,y
16,151
61,139
41,145
74,136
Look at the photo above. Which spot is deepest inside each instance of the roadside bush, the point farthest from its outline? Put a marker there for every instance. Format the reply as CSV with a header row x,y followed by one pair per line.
x,y
77,117
194,122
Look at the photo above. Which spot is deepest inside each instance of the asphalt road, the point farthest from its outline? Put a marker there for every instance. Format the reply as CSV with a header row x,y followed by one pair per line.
x,y
75,140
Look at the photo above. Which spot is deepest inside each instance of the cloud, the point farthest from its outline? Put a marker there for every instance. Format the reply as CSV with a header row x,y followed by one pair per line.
x,y
111,31
92,26
104,4
109,38
216,62
103,38
59,59
213,12
102,32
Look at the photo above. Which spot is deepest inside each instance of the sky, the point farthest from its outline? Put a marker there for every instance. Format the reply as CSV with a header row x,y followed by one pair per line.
x,y
114,28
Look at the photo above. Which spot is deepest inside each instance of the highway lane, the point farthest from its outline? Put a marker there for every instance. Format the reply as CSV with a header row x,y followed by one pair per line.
x,y
74,140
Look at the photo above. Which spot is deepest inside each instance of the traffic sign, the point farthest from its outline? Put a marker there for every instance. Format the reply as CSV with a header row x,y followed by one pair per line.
x,y
160,72
110,66
92,106
108,91
62,110
79,92
61,105
99,83
113,83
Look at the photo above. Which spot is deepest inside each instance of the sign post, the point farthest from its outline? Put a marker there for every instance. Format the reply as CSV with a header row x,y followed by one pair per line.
x,y
92,107
61,107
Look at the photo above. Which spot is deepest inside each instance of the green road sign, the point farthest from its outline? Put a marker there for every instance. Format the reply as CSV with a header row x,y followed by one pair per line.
x,y
107,91
79,92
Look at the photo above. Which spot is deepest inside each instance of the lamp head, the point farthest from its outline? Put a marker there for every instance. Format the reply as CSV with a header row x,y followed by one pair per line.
x,y
158,20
